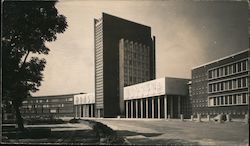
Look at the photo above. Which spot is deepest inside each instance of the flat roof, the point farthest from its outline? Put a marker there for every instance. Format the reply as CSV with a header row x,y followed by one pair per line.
x,y
57,95
221,59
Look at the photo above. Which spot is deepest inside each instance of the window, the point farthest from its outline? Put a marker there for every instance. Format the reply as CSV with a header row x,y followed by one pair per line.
x,y
218,86
234,68
218,72
222,100
239,83
239,66
244,98
226,70
210,74
214,101
244,82
244,65
230,99
70,99
239,99
234,83
230,67
210,88
226,85
218,100
230,85
222,86
226,99
234,99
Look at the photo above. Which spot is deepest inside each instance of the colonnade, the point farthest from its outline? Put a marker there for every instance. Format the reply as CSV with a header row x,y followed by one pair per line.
x,y
84,110
153,107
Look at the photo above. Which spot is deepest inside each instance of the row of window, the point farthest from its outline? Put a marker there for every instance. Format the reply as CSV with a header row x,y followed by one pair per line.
x,y
228,70
236,99
48,100
44,106
228,85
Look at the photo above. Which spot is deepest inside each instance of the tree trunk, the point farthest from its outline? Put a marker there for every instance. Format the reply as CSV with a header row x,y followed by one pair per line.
x,y
19,119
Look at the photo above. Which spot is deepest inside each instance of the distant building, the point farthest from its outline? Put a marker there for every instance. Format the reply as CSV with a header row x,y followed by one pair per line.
x,y
47,106
222,86
159,98
124,55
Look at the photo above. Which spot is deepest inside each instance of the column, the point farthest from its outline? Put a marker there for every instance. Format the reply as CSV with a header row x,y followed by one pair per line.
x,y
76,111
172,107
131,106
179,106
136,108
146,107
165,107
92,110
159,107
153,108
80,115
126,102
142,108
87,110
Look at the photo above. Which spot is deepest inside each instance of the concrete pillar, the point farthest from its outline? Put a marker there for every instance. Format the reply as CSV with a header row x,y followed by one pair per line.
x,y
126,102
76,111
181,117
131,109
147,108
92,110
80,115
169,117
153,108
208,118
141,108
136,108
228,118
172,106
198,118
179,106
192,118
165,107
159,107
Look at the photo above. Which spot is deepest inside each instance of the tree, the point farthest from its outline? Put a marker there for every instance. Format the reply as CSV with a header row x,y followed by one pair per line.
x,y
27,25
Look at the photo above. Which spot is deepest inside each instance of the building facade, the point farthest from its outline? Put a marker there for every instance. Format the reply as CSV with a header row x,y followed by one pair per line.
x,y
222,86
160,98
124,55
49,106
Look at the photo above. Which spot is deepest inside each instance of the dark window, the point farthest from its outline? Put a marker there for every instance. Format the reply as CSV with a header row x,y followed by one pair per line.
x,y
230,99
244,65
214,100
239,83
234,101
210,74
239,66
210,87
230,84
222,86
218,73
234,68
244,82
244,98
226,99
226,70
221,100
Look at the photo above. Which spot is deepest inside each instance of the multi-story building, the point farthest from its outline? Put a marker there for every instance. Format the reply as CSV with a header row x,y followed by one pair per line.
x,y
222,86
47,106
124,55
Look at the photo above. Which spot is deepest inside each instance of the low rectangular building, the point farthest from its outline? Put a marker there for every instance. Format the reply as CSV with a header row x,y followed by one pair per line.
x,y
49,106
84,105
159,98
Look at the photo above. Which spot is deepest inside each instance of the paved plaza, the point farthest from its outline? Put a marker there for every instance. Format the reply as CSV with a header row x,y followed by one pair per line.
x,y
158,131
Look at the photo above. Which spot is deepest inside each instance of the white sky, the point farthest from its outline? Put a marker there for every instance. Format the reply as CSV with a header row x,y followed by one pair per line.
x,y
188,33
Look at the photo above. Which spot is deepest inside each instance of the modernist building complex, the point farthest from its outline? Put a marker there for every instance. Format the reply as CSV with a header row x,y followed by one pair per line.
x,y
125,83
124,55
222,86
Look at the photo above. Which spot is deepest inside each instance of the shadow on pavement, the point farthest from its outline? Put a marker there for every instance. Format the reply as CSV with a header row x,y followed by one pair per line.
x,y
131,133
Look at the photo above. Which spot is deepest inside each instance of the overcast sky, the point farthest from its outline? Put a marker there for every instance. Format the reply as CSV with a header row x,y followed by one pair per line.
x,y
188,34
